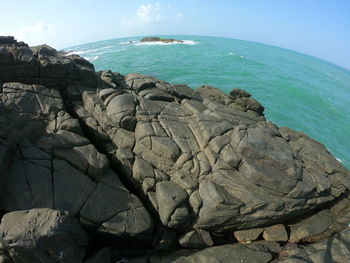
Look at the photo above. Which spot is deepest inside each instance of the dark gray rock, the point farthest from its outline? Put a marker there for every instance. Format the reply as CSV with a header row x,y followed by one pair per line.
x,y
42,235
332,249
323,224
101,256
238,93
261,252
43,65
44,50
7,40
237,170
48,163
158,39
171,204
196,239
5,257
198,159
167,240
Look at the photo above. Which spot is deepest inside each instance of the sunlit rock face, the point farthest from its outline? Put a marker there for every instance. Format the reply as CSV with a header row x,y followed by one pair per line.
x,y
140,161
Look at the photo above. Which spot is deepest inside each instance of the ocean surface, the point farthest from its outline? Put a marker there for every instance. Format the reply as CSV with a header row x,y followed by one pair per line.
x,y
298,91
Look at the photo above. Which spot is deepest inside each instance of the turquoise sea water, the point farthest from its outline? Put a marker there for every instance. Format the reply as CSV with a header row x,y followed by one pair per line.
x,y
298,91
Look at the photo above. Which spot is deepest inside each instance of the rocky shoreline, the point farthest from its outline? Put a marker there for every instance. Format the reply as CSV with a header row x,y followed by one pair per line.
x,y
101,167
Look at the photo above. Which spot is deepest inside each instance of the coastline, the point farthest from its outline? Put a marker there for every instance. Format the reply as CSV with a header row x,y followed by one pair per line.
x,y
161,170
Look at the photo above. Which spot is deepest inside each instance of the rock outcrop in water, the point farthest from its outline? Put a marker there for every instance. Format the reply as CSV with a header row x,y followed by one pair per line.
x,y
158,39
100,167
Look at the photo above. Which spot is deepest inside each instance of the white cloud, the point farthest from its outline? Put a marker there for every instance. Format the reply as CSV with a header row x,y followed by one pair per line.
x,y
150,13
29,33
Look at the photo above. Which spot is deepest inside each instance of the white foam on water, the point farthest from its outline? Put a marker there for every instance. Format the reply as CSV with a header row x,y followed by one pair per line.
x,y
161,43
72,52
93,58
106,47
93,51
234,54
128,42
339,160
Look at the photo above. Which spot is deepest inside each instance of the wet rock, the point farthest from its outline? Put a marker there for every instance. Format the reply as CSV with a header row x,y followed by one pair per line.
x,y
42,235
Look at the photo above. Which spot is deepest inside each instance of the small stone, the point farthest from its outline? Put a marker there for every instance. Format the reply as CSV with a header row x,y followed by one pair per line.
x,y
246,236
276,233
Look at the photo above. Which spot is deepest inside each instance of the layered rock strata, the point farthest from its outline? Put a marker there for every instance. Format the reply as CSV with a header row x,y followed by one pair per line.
x,y
144,166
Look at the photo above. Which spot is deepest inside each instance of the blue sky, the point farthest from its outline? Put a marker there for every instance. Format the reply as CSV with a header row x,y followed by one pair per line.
x,y
317,27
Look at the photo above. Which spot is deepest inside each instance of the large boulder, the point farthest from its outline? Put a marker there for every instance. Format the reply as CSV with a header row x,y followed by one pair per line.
x,y
46,161
208,160
42,235
207,165
44,65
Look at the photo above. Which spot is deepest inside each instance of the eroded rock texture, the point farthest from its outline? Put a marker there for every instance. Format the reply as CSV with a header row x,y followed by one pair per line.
x,y
47,161
205,161
143,161
42,235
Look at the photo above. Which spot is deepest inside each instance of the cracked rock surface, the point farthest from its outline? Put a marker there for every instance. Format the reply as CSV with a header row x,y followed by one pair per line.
x,y
139,161
42,235
206,162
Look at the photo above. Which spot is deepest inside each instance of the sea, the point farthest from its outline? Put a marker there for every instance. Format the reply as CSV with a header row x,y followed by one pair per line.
x,y
299,91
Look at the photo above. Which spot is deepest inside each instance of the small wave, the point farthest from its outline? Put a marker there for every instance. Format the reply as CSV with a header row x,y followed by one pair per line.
x,y
339,160
92,51
234,54
72,52
106,47
161,43
128,42
93,58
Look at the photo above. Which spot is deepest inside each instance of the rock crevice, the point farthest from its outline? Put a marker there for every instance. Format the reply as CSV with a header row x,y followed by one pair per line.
x,y
138,160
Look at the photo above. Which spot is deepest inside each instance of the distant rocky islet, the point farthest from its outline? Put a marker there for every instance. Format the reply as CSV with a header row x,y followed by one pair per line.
x,y
101,167
158,39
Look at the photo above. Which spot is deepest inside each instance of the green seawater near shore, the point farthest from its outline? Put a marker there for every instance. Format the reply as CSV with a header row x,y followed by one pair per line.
x,y
298,91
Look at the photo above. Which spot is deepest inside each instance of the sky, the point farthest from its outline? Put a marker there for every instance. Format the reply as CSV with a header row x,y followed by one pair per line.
x,y
320,28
